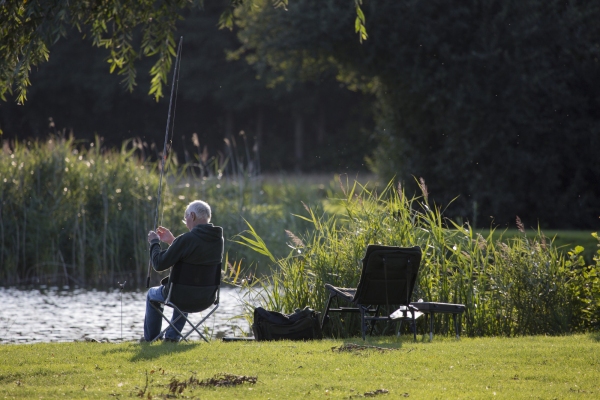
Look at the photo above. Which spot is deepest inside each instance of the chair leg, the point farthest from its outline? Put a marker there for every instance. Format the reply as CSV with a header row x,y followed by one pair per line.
x,y
169,322
374,321
431,327
455,326
399,327
331,296
160,311
195,327
363,324
414,324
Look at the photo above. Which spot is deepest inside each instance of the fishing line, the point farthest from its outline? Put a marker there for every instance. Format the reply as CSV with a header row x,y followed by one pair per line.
x,y
172,106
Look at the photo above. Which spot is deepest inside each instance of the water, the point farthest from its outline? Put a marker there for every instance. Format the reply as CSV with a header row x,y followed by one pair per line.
x,y
62,315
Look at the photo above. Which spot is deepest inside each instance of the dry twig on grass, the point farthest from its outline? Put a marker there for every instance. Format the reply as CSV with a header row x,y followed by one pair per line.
x,y
356,347
222,379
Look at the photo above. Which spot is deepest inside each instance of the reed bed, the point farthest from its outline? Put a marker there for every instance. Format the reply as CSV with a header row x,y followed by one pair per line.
x,y
519,286
73,213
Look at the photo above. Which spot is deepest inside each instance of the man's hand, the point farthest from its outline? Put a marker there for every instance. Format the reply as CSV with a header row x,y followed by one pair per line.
x,y
152,235
165,235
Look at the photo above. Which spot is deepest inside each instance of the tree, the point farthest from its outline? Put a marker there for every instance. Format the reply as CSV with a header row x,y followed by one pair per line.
x,y
491,101
218,97
129,29
29,28
274,44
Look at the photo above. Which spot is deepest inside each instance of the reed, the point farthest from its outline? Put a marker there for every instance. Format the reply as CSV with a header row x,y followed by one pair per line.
x,y
519,286
74,213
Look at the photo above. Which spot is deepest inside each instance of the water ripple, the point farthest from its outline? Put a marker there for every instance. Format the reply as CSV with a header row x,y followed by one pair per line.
x,y
56,315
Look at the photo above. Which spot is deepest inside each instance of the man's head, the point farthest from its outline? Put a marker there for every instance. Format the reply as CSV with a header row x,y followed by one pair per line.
x,y
196,213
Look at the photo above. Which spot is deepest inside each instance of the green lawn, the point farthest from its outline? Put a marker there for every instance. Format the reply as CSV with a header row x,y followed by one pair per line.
x,y
527,367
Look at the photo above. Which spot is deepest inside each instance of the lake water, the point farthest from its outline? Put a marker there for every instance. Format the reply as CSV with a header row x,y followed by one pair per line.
x,y
61,315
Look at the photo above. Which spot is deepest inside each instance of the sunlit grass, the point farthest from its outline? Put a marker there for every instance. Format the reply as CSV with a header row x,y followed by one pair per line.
x,y
563,240
74,212
538,367
517,285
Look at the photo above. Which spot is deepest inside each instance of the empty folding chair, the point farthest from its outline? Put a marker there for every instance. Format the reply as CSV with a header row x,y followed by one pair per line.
x,y
388,278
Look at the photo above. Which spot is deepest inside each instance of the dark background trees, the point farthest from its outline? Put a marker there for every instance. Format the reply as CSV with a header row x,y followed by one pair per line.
x,y
307,127
495,102
492,101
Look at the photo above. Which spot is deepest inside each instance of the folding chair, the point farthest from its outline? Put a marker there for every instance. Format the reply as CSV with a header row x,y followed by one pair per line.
x,y
191,289
388,278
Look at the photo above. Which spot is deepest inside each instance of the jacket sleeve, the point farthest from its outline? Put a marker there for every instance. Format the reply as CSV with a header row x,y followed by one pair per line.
x,y
163,259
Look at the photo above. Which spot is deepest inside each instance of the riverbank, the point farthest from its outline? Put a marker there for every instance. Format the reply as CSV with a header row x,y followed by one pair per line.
x,y
539,367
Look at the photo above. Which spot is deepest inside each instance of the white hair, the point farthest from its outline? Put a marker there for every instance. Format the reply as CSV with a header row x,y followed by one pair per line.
x,y
200,208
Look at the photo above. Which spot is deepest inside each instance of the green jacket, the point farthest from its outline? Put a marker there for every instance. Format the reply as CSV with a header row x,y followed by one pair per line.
x,y
203,245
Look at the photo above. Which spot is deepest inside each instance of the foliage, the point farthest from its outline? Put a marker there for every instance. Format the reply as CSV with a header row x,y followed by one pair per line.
x,y
127,29
30,28
218,97
473,368
563,240
495,93
522,286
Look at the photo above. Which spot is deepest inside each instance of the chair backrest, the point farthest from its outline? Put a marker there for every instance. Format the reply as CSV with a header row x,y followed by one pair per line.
x,y
194,287
388,276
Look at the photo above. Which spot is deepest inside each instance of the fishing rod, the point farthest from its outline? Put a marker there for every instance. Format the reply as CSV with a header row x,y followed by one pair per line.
x,y
170,128
122,286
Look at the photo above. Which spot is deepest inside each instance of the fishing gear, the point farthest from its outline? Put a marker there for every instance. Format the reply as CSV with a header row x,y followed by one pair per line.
x,y
122,286
170,128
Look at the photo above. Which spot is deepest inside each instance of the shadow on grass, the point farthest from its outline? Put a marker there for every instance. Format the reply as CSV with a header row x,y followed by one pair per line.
x,y
595,336
146,351
380,343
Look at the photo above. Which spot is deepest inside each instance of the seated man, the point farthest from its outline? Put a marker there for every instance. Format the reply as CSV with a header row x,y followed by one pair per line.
x,y
202,245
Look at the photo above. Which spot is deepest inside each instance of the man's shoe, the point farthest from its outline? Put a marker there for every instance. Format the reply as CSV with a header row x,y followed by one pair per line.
x,y
169,340
143,340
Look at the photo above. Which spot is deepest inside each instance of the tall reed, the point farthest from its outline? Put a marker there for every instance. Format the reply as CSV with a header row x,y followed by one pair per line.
x,y
73,212
520,286
77,214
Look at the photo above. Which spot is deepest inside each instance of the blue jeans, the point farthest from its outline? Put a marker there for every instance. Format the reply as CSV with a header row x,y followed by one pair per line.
x,y
153,320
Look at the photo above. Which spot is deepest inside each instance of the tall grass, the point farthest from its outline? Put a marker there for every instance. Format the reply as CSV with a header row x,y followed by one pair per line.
x,y
521,286
77,214
73,212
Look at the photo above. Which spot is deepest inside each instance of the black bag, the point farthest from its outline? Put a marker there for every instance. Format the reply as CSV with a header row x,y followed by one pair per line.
x,y
272,325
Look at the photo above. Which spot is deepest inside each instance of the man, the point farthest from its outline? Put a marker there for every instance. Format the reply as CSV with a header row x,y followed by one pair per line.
x,y
202,245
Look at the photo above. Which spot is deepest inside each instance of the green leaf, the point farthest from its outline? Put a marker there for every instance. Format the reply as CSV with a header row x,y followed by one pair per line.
x,y
360,15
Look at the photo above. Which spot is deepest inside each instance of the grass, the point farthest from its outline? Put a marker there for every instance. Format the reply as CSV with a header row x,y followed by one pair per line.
x,y
520,285
564,240
78,214
538,367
